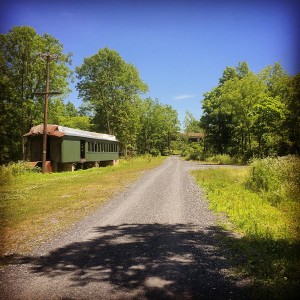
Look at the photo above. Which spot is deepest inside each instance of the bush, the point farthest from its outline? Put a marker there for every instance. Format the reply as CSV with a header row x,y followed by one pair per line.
x,y
155,152
5,175
193,151
15,169
224,159
277,178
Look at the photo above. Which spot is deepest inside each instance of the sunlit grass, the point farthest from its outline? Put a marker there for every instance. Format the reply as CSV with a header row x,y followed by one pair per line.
x,y
269,234
34,207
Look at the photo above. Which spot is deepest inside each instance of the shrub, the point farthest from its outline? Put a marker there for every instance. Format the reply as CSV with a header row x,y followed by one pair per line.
x,y
224,159
193,151
277,178
154,152
5,175
15,169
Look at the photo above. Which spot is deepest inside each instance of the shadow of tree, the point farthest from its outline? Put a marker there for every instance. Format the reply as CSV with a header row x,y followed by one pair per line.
x,y
160,261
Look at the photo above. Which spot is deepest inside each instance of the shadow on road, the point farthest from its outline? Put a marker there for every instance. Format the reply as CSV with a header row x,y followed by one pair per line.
x,y
161,261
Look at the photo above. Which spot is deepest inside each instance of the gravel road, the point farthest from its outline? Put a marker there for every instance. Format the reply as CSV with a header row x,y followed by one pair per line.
x,y
156,240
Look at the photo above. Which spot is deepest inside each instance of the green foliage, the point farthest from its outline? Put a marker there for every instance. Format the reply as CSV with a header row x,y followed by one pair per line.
x,y
250,115
22,74
267,249
112,87
224,159
193,151
77,122
248,211
16,169
191,124
276,179
158,127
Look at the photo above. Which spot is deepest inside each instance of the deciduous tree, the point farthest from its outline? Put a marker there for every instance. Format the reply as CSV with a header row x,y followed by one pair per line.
x,y
22,75
112,87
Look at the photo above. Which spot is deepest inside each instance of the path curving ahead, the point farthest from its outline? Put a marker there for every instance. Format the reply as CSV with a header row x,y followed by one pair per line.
x,y
156,240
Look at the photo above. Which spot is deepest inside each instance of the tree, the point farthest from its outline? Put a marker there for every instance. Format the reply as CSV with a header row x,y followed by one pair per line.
x,y
22,75
292,120
249,114
159,127
70,110
191,124
112,87
216,122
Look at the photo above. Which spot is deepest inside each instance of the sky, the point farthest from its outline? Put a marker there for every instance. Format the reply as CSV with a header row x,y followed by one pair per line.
x,y
180,48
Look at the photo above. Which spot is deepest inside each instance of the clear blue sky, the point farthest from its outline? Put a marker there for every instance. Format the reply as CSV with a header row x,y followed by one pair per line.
x,y
179,47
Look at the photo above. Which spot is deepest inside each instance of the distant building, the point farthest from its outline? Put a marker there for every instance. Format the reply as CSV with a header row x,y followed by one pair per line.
x,y
193,137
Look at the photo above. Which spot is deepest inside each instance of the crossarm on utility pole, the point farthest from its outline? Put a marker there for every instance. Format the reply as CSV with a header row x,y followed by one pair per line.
x,y
46,93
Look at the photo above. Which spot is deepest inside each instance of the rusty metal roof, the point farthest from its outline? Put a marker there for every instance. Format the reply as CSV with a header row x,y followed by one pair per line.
x,y
194,134
60,131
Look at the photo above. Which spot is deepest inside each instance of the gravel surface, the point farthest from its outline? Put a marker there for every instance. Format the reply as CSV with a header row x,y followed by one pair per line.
x,y
156,240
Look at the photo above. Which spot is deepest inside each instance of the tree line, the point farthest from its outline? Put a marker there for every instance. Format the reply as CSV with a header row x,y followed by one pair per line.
x,y
245,115
252,115
110,88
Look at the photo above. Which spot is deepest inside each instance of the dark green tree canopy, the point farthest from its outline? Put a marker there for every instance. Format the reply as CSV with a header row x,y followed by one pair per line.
x,y
22,75
251,114
110,85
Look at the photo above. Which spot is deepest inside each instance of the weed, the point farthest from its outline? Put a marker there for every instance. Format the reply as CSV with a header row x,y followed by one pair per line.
x,y
15,169
276,179
224,159
270,233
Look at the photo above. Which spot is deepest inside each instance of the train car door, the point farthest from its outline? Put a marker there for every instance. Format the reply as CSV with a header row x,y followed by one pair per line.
x,y
82,149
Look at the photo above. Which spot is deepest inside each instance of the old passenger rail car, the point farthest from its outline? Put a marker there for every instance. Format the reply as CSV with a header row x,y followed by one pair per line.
x,y
69,148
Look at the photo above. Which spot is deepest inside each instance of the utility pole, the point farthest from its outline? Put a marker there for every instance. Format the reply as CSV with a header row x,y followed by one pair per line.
x,y
48,57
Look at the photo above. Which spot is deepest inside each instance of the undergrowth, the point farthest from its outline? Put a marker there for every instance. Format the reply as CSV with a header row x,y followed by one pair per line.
x,y
7,172
262,203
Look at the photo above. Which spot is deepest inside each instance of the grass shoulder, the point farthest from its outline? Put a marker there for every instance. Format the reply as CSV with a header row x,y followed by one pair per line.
x,y
35,206
267,249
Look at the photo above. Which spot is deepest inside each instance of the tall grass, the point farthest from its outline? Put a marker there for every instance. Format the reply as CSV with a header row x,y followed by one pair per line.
x,y
262,203
7,172
224,159
276,179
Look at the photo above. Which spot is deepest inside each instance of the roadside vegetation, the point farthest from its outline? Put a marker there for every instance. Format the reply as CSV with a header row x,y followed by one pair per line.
x,y
35,206
110,88
261,202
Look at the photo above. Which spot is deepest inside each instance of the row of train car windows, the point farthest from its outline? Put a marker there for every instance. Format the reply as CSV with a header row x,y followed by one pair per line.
x,y
102,147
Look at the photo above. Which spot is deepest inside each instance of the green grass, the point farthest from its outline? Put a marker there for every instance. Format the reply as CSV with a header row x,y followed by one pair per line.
x,y
268,247
35,207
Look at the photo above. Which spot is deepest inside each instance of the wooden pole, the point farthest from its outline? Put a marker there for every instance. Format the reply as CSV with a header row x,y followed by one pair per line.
x,y
46,113
46,94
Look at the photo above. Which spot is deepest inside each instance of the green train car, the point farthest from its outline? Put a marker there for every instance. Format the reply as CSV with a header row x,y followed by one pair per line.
x,y
69,148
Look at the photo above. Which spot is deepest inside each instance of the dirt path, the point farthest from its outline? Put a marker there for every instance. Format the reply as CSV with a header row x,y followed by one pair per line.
x,y
157,240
